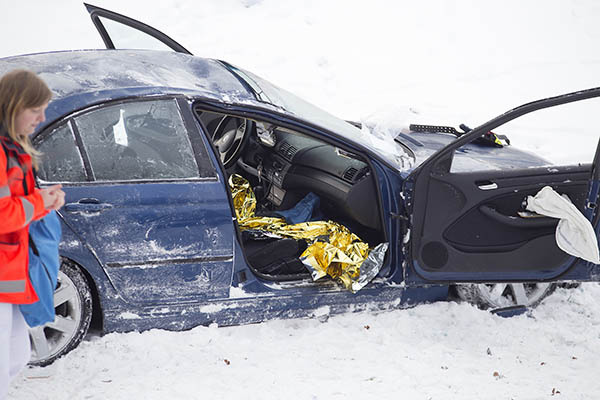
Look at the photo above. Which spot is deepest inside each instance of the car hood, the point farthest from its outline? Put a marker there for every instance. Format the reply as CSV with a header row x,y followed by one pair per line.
x,y
470,157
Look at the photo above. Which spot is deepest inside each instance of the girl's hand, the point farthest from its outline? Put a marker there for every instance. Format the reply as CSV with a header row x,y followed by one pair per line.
x,y
53,196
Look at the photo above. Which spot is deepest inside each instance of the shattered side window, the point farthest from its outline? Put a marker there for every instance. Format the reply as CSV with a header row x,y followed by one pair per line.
x,y
137,141
60,160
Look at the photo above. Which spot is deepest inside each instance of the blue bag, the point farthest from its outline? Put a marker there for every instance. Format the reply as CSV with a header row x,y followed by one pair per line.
x,y
44,236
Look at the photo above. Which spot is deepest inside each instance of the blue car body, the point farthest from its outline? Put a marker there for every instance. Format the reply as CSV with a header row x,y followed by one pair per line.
x,y
168,253
136,291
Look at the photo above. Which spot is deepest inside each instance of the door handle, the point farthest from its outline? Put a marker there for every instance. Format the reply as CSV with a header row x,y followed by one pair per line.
x,y
87,205
487,185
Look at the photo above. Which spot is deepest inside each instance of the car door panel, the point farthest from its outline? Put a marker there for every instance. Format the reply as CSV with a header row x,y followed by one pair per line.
x,y
494,221
466,226
144,242
467,229
163,236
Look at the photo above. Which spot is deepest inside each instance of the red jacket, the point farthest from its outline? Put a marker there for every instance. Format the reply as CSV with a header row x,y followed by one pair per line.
x,y
20,203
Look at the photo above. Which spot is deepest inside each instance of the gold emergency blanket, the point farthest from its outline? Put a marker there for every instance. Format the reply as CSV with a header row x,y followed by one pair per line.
x,y
332,249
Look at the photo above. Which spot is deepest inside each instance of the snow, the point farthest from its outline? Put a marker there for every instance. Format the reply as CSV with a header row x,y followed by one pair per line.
x,y
389,64
435,351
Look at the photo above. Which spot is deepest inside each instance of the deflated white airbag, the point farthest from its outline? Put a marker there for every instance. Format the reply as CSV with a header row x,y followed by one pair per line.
x,y
574,233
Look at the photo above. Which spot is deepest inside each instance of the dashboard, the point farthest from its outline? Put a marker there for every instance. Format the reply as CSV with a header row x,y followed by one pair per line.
x,y
291,161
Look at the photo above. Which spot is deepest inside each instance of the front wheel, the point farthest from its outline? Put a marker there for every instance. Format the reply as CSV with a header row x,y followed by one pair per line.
x,y
500,295
73,308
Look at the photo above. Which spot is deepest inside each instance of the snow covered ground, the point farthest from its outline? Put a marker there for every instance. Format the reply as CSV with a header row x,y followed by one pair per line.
x,y
436,351
431,61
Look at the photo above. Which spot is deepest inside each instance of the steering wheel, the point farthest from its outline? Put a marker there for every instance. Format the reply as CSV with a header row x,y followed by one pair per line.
x,y
230,137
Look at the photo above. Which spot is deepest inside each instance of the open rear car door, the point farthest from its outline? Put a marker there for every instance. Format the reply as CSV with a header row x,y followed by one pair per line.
x,y
121,32
465,226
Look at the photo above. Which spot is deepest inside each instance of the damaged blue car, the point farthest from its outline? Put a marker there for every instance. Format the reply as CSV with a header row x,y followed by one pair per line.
x,y
147,139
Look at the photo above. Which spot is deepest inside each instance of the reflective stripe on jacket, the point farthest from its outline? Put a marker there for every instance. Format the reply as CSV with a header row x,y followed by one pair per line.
x,y
20,203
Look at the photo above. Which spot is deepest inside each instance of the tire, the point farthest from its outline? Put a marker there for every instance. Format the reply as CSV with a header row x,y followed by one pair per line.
x,y
500,295
73,307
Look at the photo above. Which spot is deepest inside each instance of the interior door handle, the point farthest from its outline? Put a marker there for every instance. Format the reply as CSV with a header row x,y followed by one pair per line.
x,y
487,185
517,222
87,205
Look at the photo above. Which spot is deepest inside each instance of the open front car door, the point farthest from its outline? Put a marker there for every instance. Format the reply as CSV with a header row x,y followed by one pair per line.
x,y
471,225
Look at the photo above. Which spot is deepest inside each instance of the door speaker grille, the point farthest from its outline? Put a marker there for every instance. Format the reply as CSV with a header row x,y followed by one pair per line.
x,y
434,255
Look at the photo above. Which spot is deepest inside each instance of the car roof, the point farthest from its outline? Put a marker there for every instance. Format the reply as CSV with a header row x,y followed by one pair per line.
x,y
82,78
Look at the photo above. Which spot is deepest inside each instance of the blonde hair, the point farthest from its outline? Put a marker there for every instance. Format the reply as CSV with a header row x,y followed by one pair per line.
x,y
21,89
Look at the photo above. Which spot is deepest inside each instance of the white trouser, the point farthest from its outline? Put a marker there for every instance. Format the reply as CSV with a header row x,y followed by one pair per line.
x,y
15,349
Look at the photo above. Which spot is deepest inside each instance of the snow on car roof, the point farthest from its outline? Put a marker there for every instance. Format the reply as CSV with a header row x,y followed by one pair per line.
x,y
85,77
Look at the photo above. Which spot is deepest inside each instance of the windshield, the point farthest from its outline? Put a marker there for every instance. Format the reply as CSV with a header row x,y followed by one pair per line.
x,y
374,139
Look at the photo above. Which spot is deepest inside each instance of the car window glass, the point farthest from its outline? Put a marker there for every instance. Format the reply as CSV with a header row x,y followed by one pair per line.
x,y
60,160
126,37
562,135
133,141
